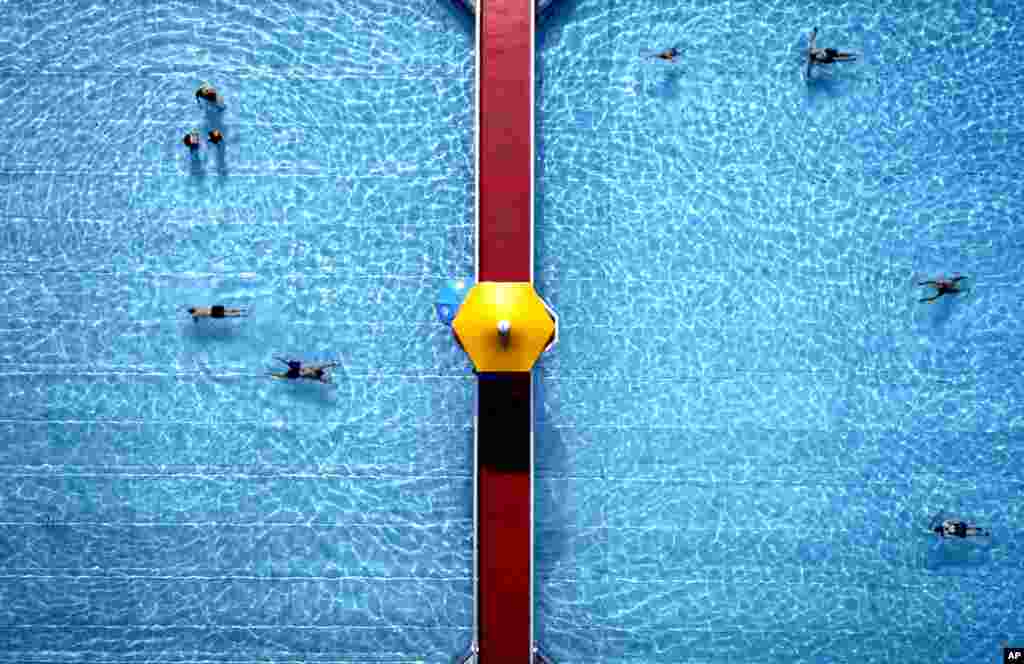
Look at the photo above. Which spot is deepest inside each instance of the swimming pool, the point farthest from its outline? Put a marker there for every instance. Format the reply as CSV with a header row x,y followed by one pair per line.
x,y
745,426
162,500
750,418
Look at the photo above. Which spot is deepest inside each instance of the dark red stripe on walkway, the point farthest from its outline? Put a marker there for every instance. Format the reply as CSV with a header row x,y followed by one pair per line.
x,y
506,184
504,201
504,513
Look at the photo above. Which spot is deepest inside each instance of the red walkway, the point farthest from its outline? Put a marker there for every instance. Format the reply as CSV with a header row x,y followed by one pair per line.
x,y
505,121
505,253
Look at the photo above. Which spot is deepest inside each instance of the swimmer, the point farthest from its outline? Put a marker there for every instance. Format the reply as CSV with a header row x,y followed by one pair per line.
x,y
297,371
956,528
216,137
216,311
669,55
942,287
210,94
191,141
824,56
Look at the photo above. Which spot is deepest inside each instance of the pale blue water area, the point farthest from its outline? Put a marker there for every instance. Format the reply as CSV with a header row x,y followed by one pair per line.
x,y
161,499
749,418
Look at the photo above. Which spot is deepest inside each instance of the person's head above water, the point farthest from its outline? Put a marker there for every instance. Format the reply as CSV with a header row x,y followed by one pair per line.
x,y
207,92
216,137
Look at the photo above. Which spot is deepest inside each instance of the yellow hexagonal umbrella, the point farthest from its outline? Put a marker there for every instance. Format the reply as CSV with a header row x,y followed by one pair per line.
x,y
504,326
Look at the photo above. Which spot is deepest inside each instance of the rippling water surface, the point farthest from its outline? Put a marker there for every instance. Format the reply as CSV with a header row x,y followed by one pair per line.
x,y
746,425
749,417
161,499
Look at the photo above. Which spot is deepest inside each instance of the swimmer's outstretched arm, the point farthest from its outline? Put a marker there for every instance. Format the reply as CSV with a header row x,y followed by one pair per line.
x,y
324,365
811,48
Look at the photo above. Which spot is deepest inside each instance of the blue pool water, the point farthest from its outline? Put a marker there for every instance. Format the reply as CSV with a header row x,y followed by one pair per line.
x,y
750,419
161,500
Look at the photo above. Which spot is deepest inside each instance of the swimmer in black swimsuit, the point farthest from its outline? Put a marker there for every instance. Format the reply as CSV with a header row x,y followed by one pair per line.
x,y
296,371
825,56
942,287
669,55
216,311
953,528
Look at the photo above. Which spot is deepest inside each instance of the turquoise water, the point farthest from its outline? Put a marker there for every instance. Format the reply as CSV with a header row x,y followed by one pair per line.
x,y
160,498
749,418
747,422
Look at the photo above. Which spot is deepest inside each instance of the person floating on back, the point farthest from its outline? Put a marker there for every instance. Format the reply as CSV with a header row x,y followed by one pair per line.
x,y
942,287
297,371
961,529
216,311
669,54
824,56
209,93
